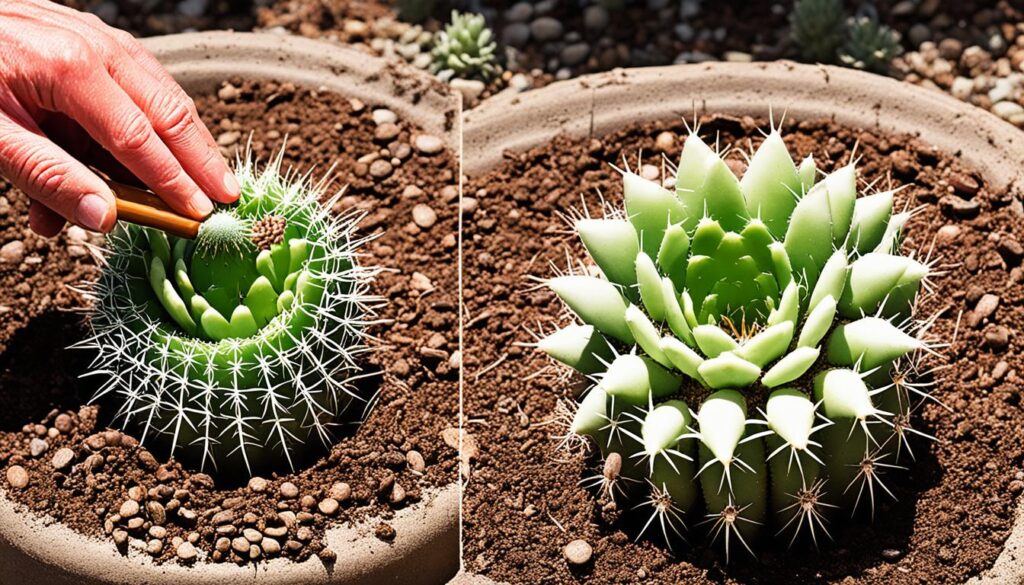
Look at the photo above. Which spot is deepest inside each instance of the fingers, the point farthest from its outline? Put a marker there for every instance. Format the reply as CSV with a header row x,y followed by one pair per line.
x,y
177,126
50,176
43,220
109,115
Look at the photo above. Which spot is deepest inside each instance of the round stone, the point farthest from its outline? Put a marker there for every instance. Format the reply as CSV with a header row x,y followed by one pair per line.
x,y
129,508
428,144
258,484
17,477
289,490
578,552
328,506
381,169
340,491
546,28
12,252
383,116
62,458
186,551
424,216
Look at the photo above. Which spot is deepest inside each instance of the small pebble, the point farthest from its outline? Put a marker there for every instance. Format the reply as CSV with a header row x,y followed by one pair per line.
x,y
258,484
578,552
415,461
386,132
383,116
37,447
340,491
17,477
270,547
381,169
427,144
328,506
289,490
186,551
154,546
384,531
63,423
62,458
12,252
129,508
424,216
252,535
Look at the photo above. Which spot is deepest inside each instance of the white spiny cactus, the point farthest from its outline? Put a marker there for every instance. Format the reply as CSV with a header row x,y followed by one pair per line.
x,y
237,349
777,305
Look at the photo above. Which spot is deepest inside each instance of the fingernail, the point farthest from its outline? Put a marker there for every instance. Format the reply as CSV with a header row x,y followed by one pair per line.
x,y
201,204
92,213
231,184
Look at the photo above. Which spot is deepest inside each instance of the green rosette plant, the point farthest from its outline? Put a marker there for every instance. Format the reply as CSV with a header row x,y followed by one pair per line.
x,y
236,350
779,293
465,48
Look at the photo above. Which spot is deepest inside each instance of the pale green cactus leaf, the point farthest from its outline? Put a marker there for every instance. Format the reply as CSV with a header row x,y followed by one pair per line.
x,y
613,245
664,425
781,267
792,366
869,342
728,371
767,345
651,209
789,306
712,340
646,334
873,278
707,236
771,184
808,172
790,414
578,346
674,312
262,301
597,302
675,245
682,357
634,378
832,279
870,219
721,423
592,414
890,243
817,323
651,292
844,395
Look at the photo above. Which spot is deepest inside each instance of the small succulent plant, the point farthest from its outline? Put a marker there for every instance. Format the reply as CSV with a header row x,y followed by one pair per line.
x,y
747,340
235,350
465,48
818,28
871,46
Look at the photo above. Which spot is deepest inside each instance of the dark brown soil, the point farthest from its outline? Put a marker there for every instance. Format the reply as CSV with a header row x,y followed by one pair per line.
x,y
418,396
523,503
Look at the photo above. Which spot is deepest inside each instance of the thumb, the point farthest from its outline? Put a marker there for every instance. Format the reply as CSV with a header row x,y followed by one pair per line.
x,y
51,176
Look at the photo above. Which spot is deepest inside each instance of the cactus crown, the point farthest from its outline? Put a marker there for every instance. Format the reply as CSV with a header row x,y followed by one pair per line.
x,y
235,350
465,48
777,293
871,46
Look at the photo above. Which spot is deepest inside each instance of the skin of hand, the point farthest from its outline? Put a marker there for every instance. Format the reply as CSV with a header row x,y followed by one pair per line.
x,y
76,93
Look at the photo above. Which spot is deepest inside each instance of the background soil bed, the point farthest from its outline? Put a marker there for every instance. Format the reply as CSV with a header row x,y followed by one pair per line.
x,y
417,386
955,506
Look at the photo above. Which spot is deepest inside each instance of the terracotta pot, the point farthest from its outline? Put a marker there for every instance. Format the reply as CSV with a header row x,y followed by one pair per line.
x,y
595,105
35,550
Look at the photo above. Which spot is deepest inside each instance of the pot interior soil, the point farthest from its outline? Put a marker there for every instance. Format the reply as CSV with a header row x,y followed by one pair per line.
x,y
523,502
385,463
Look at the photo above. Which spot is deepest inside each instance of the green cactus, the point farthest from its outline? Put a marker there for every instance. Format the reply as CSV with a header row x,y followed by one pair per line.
x,y
235,350
817,28
870,45
776,293
465,48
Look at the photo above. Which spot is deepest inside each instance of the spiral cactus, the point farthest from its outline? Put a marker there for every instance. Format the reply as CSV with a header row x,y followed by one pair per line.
x,y
236,350
776,293
465,48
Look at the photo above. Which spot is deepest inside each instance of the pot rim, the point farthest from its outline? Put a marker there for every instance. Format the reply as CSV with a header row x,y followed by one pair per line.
x,y
595,105
35,548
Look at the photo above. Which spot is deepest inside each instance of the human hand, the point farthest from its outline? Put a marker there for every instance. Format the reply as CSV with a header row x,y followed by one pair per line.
x,y
75,92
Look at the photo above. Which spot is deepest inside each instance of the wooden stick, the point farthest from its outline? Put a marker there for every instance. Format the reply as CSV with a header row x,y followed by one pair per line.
x,y
144,208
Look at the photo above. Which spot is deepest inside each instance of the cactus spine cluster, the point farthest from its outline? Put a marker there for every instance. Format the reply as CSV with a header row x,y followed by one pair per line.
x,y
465,48
235,350
745,338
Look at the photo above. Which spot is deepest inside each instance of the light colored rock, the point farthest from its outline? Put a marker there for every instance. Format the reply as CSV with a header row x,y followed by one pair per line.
x,y
428,144
384,116
469,88
12,252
